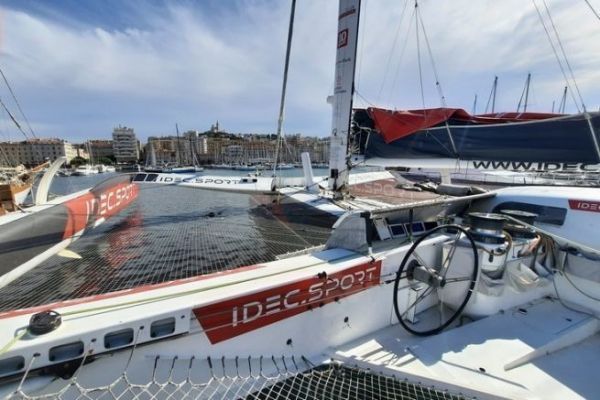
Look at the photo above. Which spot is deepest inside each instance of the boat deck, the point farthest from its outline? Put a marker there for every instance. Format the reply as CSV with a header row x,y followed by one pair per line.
x,y
173,233
170,233
541,348
388,192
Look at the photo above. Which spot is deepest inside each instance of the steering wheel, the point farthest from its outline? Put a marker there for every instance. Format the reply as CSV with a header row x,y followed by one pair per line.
x,y
423,310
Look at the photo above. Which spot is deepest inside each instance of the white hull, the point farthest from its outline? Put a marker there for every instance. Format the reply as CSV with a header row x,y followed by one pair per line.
x,y
85,170
524,305
289,308
21,196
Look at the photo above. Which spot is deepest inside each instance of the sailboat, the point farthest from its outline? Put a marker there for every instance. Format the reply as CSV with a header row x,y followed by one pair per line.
x,y
46,227
487,295
15,186
509,141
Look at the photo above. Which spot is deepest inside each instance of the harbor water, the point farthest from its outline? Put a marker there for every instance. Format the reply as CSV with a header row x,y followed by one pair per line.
x,y
168,233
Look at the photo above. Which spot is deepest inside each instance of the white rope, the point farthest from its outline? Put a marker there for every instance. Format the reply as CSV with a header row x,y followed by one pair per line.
x,y
17,102
592,8
560,64
389,58
397,72
564,54
438,85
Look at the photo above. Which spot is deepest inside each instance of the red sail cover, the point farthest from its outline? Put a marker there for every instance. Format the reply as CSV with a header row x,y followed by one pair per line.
x,y
394,125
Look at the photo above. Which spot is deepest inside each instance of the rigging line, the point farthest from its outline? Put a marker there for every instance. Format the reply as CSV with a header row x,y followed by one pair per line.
x,y
431,58
438,85
564,54
562,69
419,58
17,102
408,30
389,58
364,98
592,8
13,119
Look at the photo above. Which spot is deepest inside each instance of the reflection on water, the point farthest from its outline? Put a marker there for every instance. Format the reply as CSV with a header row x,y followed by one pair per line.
x,y
167,233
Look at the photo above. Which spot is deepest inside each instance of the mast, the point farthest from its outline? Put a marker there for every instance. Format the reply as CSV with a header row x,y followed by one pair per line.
x,y
527,92
563,102
495,88
89,149
177,160
345,63
192,151
492,97
288,51
475,105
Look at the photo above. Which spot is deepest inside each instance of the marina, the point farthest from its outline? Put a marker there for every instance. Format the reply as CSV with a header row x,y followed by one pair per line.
x,y
190,231
439,254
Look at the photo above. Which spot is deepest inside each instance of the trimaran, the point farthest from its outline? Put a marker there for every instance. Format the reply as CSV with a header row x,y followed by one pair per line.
x,y
487,295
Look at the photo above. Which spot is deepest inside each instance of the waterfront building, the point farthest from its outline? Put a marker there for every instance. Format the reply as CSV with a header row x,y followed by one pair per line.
x,y
33,152
125,145
101,149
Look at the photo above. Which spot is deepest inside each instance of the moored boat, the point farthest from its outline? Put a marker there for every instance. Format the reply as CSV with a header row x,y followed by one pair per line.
x,y
85,170
476,295
30,237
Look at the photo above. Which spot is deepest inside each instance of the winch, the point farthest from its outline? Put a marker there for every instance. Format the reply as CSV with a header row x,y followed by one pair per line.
x,y
487,230
516,230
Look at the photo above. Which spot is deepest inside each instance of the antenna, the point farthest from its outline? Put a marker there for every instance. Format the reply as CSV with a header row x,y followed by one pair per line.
x,y
475,105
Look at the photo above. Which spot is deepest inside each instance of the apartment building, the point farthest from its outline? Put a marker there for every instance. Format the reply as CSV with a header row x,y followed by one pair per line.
x,y
33,152
125,145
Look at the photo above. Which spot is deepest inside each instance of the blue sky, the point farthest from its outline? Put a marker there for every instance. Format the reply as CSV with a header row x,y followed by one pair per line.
x,y
79,68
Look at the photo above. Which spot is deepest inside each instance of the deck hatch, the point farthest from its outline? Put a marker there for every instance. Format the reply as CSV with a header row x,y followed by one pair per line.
x,y
11,365
118,338
162,327
66,351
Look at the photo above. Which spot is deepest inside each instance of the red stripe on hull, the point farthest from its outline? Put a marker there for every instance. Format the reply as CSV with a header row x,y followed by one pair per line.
x,y
90,206
228,319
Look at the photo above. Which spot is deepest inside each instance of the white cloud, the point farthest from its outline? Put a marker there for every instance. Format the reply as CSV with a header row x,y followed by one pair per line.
x,y
194,65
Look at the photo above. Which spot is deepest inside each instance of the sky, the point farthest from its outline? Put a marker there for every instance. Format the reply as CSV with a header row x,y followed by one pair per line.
x,y
80,68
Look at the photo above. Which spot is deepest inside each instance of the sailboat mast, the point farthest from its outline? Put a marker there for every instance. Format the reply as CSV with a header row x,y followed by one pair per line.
x,y
89,149
563,102
177,160
495,87
343,92
527,92
492,96
284,86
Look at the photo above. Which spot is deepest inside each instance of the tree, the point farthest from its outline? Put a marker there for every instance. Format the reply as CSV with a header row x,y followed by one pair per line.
x,y
106,161
77,161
